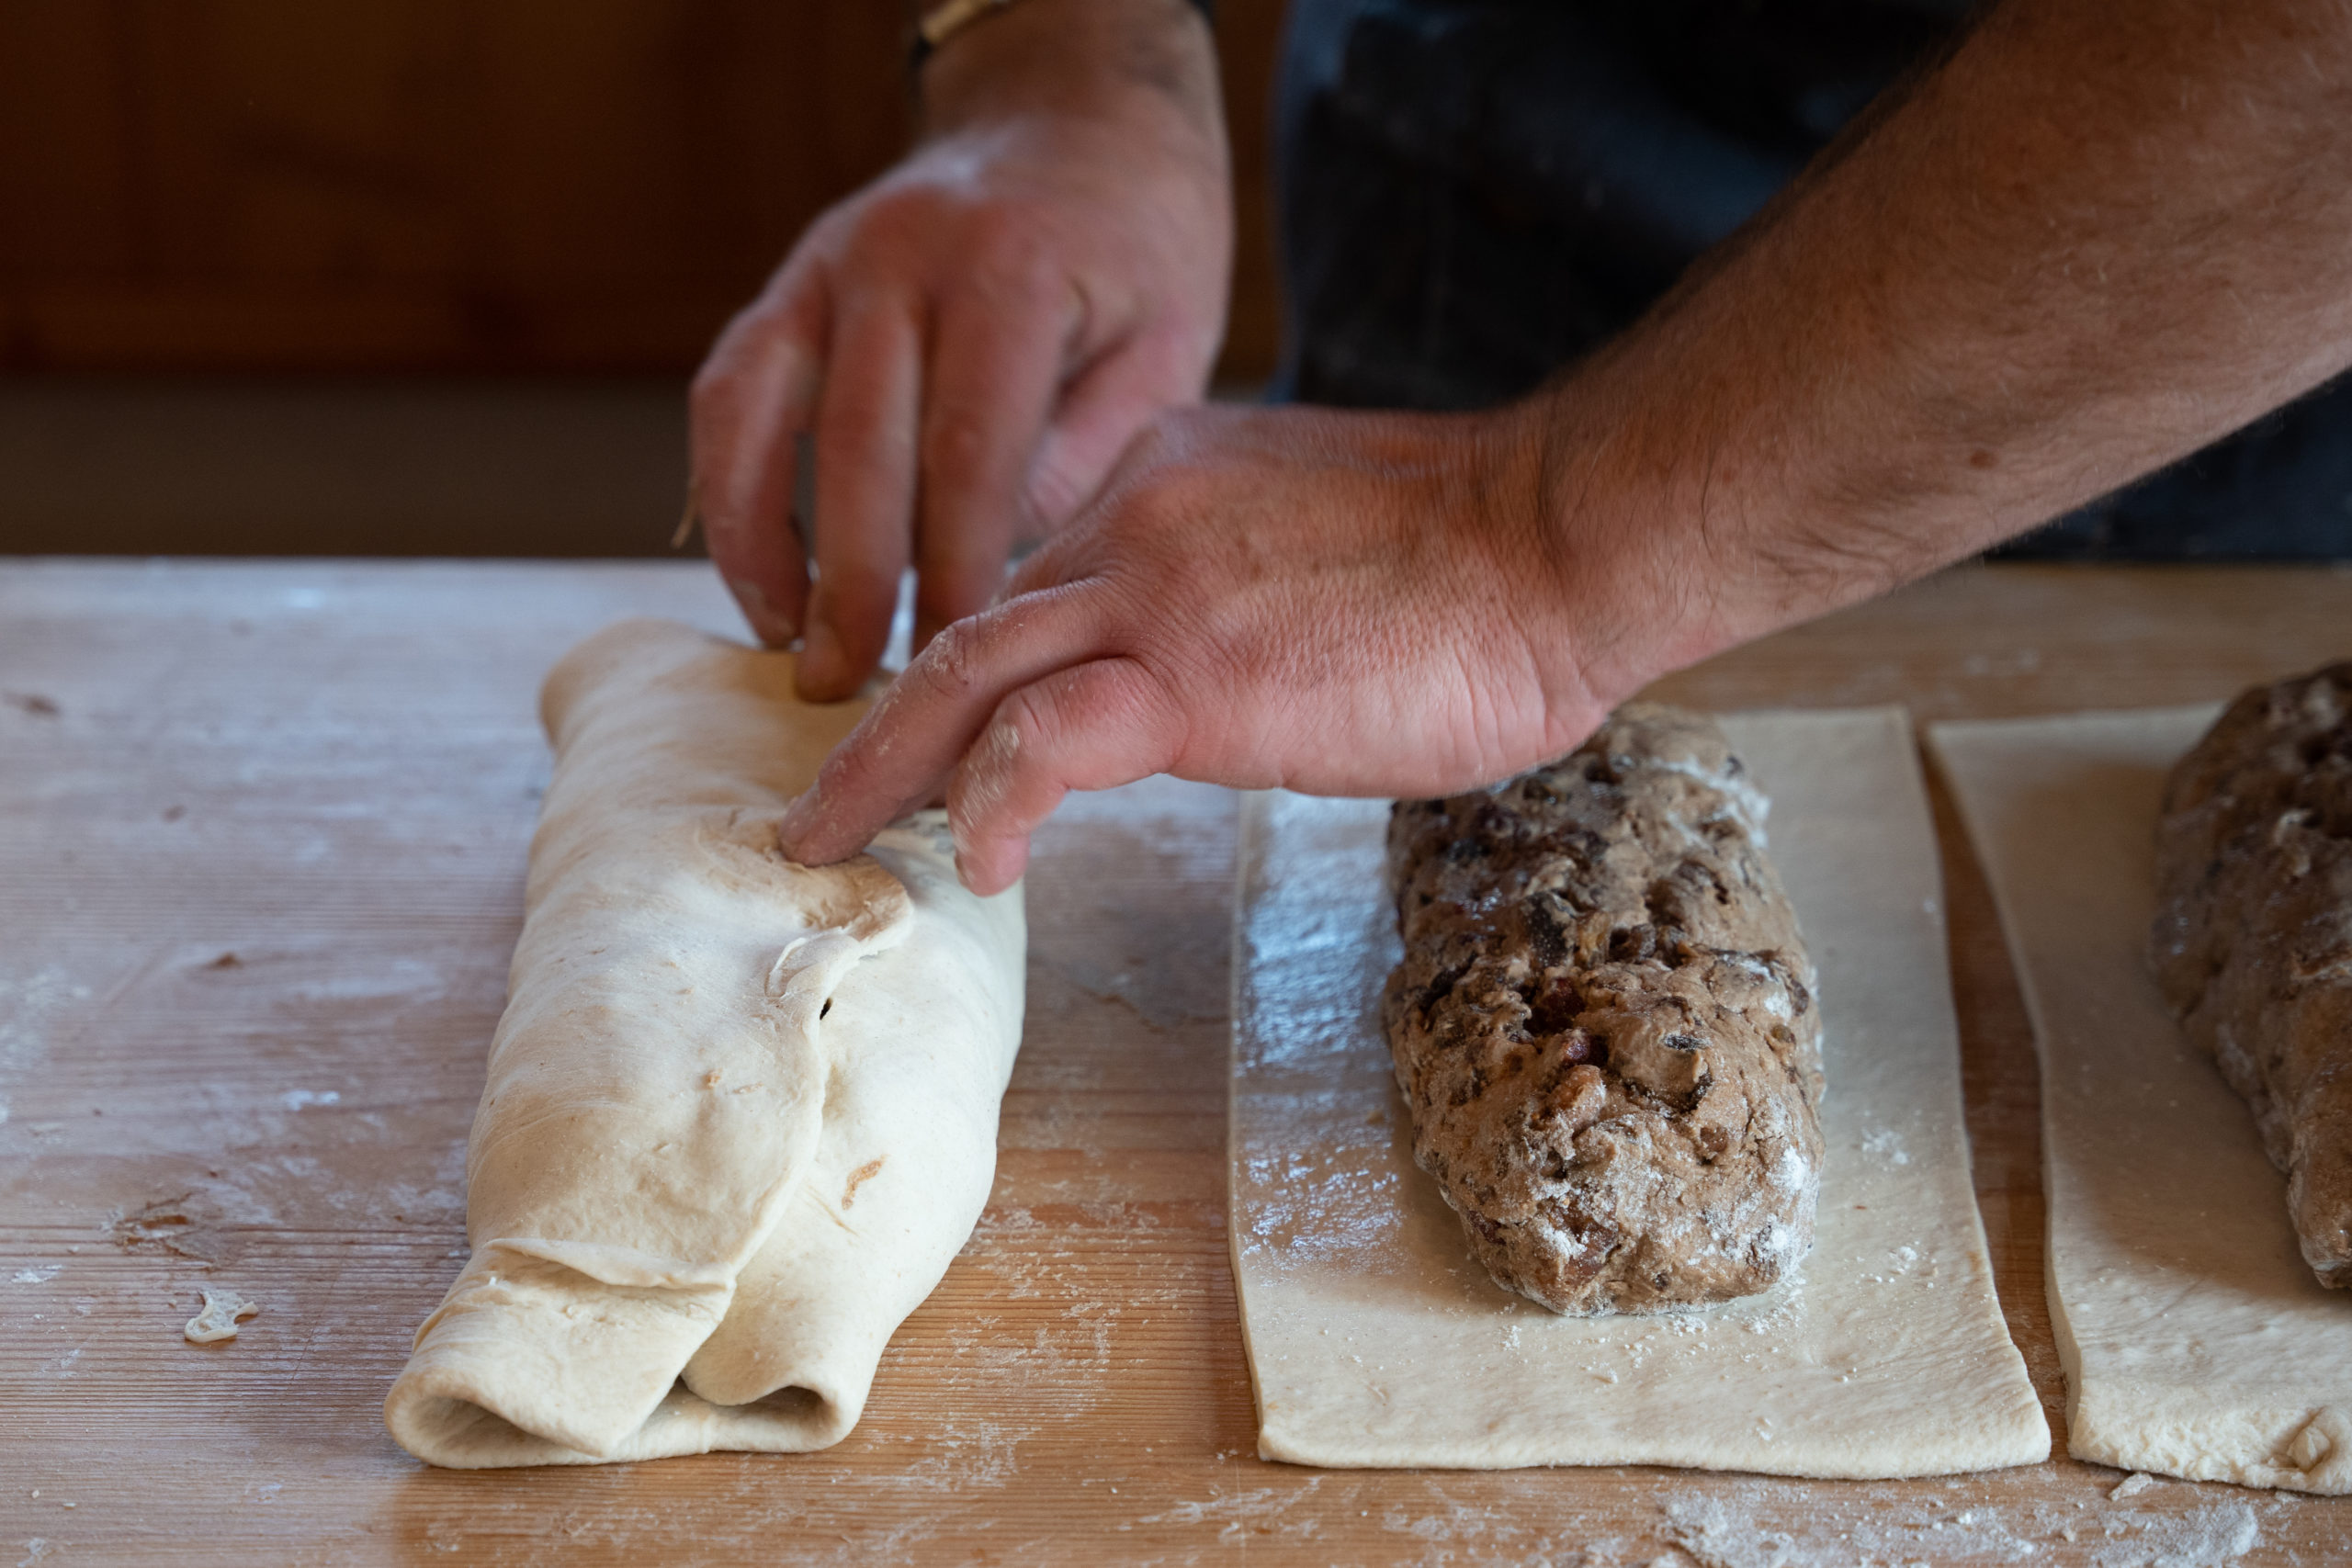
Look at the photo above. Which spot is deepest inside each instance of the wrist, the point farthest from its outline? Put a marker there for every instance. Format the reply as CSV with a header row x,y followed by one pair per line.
x,y
1692,500
1624,584
1098,60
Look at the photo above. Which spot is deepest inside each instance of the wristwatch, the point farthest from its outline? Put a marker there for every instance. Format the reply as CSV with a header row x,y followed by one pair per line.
x,y
935,25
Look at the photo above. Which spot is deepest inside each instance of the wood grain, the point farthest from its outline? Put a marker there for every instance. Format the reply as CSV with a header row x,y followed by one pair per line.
x,y
262,834
419,185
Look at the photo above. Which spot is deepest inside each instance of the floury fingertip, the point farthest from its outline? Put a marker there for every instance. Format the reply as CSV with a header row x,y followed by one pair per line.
x,y
794,825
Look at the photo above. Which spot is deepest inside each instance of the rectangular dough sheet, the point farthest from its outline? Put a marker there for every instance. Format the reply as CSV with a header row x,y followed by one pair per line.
x,y
2195,1340
1374,1338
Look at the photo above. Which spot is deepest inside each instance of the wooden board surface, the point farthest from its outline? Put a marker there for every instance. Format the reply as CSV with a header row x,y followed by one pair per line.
x,y
262,834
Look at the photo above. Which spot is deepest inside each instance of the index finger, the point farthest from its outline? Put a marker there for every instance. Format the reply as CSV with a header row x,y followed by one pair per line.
x,y
904,749
750,400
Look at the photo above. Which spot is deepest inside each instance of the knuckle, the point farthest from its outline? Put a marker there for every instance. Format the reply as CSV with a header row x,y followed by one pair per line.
x,y
1023,722
1013,736
861,426
1164,723
1147,523
720,376
1004,237
905,214
949,667
982,787
711,394
1013,257
955,438
1049,564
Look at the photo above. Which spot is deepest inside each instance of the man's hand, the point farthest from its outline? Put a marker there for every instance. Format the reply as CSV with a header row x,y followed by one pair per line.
x,y
1344,603
974,338
2104,232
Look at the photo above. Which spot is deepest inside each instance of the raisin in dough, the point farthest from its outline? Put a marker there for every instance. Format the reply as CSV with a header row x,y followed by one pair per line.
x,y
2252,943
1603,1024
740,1114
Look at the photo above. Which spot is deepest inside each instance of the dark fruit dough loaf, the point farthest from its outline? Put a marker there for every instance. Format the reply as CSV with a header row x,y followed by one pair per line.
x,y
1604,1023
2252,944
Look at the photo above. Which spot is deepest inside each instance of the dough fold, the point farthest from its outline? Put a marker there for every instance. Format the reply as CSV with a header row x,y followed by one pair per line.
x,y
739,1114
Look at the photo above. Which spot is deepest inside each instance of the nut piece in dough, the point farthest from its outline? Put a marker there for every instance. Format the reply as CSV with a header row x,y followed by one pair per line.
x,y
1604,1024
2252,943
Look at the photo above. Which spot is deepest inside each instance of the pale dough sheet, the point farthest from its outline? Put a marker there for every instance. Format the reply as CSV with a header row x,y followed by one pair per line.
x,y
740,1115
1376,1339
2195,1340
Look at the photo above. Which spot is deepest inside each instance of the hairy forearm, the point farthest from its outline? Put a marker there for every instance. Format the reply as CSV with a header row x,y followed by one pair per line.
x,y
2101,234
1120,61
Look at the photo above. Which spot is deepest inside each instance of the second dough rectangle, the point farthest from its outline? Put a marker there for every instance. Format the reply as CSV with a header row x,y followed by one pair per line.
x,y
2194,1339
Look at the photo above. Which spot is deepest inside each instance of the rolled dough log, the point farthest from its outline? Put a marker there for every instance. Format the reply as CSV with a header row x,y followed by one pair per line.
x,y
2196,1341
2252,941
1603,1024
1376,1339
739,1114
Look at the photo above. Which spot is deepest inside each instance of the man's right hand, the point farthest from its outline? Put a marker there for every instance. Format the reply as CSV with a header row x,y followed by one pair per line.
x,y
972,339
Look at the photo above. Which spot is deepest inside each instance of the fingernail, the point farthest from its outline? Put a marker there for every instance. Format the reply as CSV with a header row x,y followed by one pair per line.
x,y
820,658
798,818
770,628
979,879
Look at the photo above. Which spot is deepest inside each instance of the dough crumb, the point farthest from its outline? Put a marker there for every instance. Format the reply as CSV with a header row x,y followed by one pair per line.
x,y
858,1178
223,1310
2131,1485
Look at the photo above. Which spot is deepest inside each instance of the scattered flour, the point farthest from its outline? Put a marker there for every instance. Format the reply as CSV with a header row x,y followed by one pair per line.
x,y
2209,1537
1710,1533
1240,1516
1886,1144
28,1007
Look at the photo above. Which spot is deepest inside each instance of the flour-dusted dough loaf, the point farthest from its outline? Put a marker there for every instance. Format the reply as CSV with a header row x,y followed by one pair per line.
x,y
740,1114
1604,1025
2252,943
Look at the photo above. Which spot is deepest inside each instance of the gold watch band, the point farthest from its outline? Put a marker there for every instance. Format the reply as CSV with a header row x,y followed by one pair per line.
x,y
943,22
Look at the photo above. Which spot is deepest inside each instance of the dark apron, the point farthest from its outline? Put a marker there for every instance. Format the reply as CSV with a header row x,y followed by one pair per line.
x,y
1477,192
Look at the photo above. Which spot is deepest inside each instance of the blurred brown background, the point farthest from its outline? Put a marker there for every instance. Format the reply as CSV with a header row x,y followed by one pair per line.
x,y
427,276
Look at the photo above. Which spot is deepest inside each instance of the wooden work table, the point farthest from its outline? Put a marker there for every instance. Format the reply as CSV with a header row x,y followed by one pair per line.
x,y
262,836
